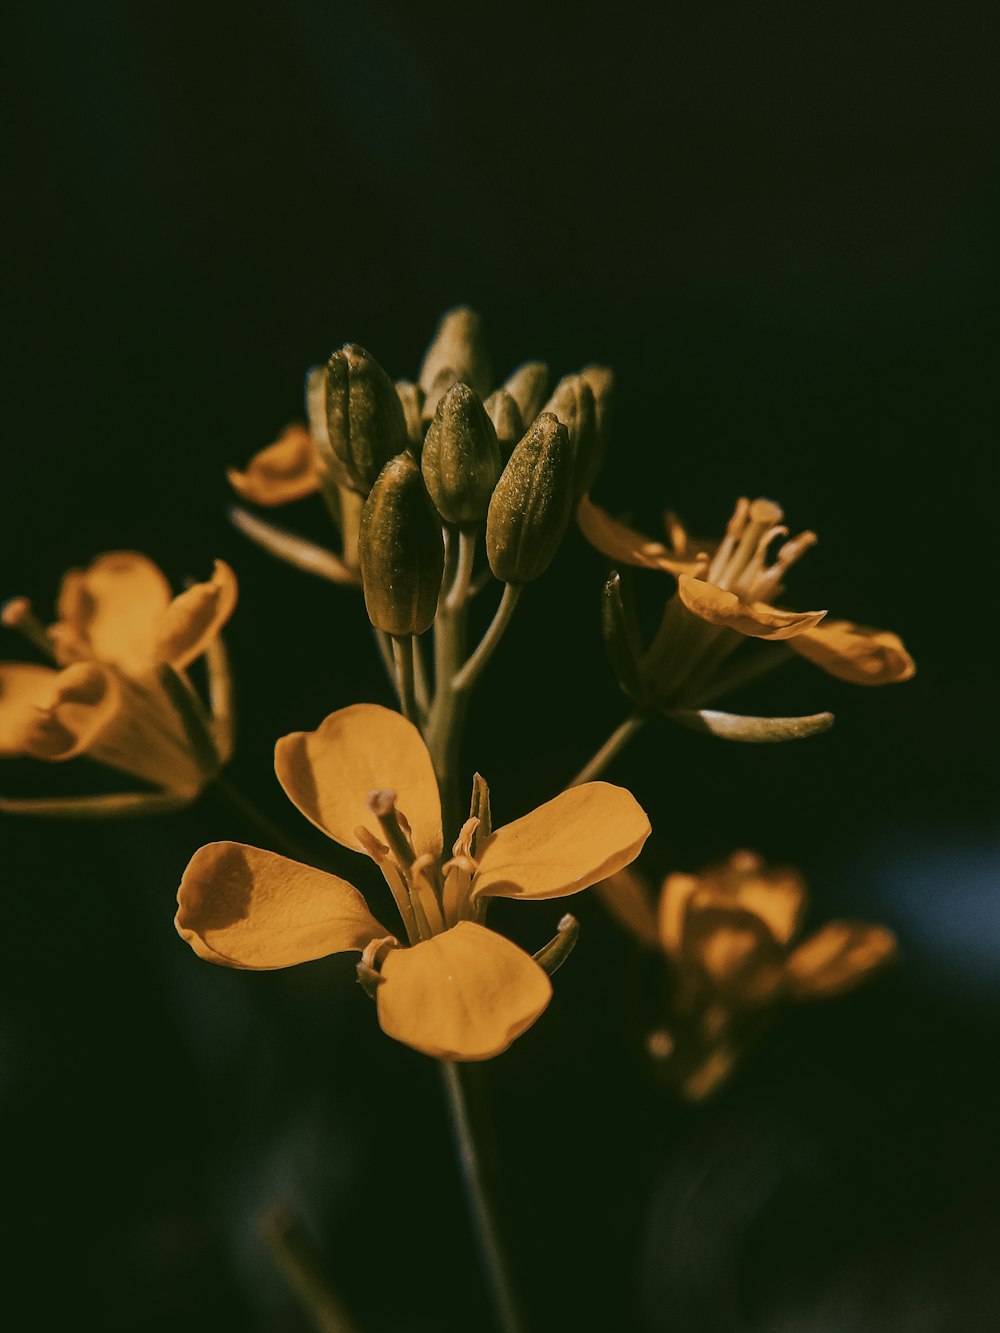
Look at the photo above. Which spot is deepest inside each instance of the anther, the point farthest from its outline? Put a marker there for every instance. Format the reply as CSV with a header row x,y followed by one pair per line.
x,y
382,803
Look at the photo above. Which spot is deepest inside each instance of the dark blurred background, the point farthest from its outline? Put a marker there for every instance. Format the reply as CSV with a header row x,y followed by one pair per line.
x,y
778,223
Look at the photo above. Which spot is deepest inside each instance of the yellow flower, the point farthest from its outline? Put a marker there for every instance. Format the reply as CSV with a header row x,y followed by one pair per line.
x,y
726,590
287,470
364,777
118,694
731,936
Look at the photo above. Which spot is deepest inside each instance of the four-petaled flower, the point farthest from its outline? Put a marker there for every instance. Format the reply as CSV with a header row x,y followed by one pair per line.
x,y
118,693
726,590
730,934
459,991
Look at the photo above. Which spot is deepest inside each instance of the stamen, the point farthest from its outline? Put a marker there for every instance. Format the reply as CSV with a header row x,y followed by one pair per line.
x,y
787,556
463,842
760,517
375,952
18,614
734,530
745,862
745,584
375,849
460,862
676,532
382,804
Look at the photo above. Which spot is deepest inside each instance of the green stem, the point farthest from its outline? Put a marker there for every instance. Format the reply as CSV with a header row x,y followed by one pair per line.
x,y
295,1255
494,1259
384,644
616,742
489,641
402,652
256,816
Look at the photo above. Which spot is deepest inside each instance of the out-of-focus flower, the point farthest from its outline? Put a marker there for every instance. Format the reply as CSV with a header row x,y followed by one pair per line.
x,y
458,991
731,936
118,691
725,595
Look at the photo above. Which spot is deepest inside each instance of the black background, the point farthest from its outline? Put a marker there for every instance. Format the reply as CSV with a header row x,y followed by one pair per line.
x,y
778,223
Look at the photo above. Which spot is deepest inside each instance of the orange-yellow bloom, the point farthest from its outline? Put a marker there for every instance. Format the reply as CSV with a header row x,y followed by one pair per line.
x,y
458,991
731,934
118,692
726,590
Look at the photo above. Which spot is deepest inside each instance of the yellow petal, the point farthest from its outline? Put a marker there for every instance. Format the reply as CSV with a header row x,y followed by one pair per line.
x,y
463,995
286,470
778,899
627,896
192,620
82,701
756,619
675,895
115,608
732,948
23,689
856,653
626,546
328,774
836,958
567,844
244,907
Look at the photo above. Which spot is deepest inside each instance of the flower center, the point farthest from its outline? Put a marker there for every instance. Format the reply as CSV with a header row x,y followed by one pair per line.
x,y
740,565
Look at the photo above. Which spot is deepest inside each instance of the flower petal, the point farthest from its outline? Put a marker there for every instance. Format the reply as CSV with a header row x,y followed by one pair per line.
x,y
627,896
328,774
675,895
192,620
83,700
756,619
114,608
856,653
732,948
837,958
623,544
24,688
463,995
284,471
244,907
582,836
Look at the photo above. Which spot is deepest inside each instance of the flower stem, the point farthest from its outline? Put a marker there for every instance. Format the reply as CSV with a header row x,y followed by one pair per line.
x,y
489,641
272,832
295,1255
616,742
494,1259
402,653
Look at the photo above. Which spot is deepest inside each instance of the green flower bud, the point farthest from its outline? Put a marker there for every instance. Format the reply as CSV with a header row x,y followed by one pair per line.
x,y
573,403
532,503
401,550
459,345
507,420
528,386
366,425
412,399
461,461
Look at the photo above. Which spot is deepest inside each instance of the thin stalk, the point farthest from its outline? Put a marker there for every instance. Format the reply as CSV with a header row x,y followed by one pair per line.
x,y
489,641
768,659
421,688
402,652
256,816
494,1259
384,643
615,743
295,1255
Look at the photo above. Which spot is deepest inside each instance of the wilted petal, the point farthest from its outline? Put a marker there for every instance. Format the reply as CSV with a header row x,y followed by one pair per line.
x,y
245,907
115,607
83,700
836,958
856,653
284,471
756,619
627,896
24,688
328,774
626,546
463,995
567,844
192,620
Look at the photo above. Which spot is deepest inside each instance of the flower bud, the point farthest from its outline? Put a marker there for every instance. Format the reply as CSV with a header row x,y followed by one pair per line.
x,y
461,460
532,503
601,380
412,399
507,420
459,345
366,425
401,550
573,403
440,385
528,386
